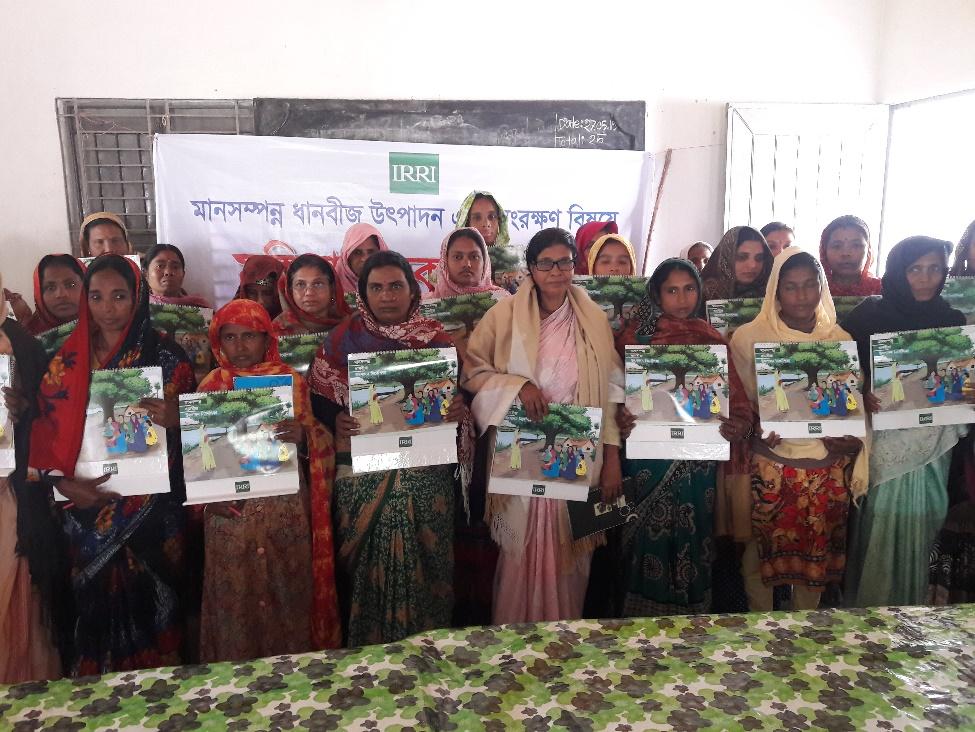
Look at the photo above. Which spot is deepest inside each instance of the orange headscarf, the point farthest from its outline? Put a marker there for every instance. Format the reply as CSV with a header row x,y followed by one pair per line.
x,y
293,319
326,627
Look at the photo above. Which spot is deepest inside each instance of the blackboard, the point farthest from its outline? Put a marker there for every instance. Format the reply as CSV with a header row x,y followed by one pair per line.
x,y
590,125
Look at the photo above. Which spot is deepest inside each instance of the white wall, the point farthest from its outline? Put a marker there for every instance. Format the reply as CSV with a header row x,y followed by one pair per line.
x,y
687,60
927,48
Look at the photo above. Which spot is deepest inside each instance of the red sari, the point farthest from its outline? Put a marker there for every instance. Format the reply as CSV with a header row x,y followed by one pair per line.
x,y
325,631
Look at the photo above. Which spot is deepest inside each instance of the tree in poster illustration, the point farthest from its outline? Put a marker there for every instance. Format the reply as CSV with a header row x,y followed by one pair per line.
x,y
171,320
232,408
931,346
617,291
680,361
464,309
405,368
563,420
111,388
812,359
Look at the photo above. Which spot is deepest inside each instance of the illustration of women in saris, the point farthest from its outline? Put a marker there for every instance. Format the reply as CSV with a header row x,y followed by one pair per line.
x,y
582,468
781,401
138,444
646,394
151,437
515,461
565,463
375,412
715,403
936,394
435,401
896,387
206,451
851,401
839,399
956,385
550,464
821,407
413,411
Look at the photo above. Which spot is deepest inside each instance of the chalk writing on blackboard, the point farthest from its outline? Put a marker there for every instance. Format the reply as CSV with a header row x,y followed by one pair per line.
x,y
572,131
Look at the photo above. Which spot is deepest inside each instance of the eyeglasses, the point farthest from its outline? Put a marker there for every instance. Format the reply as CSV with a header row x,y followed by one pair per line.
x,y
546,265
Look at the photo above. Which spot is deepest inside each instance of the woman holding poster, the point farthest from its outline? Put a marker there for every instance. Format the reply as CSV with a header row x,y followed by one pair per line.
x,y
548,344
293,569
907,503
801,488
391,526
668,551
126,553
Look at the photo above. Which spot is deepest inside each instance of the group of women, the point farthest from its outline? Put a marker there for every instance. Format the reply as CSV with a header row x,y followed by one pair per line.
x,y
107,582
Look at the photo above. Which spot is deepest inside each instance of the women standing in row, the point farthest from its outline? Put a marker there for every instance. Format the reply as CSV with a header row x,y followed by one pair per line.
x,y
739,266
393,528
847,258
312,301
800,487
269,579
548,344
668,550
896,526
165,270
126,553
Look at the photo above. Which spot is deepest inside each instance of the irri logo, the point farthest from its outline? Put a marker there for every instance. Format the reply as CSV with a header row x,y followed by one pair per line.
x,y
414,173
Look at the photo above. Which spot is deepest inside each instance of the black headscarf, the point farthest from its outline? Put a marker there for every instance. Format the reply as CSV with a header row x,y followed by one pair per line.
x,y
648,310
896,309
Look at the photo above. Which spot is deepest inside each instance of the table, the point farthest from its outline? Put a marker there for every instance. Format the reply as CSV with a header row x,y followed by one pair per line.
x,y
886,668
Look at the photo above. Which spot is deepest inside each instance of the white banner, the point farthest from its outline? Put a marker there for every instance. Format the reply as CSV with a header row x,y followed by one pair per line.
x,y
222,198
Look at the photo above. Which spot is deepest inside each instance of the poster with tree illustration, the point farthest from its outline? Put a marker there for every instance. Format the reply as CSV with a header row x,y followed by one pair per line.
x,y
557,457
616,295
727,316
7,457
298,350
508,268
189,326
230,451
52,340
846,304
924,377
810,389
677,394
120,438
960,294
460,314
401,399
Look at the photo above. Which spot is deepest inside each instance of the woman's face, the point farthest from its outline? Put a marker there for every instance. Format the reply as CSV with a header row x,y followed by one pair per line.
x,y
110,301
312,290
846,251
107,239
679,294
61,291
613,259
465,262
242,346
358,256
165,274
699,256
799,294
553,282
388,295
749,262
779,240
264,295
924,276
483,216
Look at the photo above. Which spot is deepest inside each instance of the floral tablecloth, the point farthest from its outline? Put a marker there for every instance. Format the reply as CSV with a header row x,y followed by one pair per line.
x,y
894,668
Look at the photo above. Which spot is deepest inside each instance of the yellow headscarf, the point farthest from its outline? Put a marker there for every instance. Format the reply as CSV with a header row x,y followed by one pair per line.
x,y
114,218
602,241
769,327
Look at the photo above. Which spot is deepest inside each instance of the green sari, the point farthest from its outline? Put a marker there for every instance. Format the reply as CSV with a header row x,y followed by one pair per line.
x,y
394,538
668,549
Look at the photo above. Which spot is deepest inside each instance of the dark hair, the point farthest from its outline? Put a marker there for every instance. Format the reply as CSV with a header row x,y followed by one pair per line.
x,y
844,222
547,238
802,259
467,233
773,226
59,260
117,264
664,271
159,249
311,260
388,259
960,264
98,222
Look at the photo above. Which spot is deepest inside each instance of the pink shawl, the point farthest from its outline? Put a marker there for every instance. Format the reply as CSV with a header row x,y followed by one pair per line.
x,y
356,234
445,287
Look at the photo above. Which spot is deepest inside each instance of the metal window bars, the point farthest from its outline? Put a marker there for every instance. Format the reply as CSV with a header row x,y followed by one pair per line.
x,y
106,150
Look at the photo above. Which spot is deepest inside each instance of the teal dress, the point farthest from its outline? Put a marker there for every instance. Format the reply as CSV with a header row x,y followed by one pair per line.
x,y
668,549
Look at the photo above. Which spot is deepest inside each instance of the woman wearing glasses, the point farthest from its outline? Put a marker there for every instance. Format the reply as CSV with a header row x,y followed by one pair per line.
x,y
907,502
548,344
311,298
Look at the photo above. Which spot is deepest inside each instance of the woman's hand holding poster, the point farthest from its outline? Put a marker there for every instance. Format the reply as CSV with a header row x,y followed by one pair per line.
x,y
677,394
401,400
924,377
810,389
